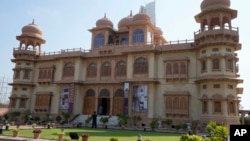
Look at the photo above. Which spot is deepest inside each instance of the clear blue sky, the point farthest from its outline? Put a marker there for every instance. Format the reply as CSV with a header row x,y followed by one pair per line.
x,y
65,24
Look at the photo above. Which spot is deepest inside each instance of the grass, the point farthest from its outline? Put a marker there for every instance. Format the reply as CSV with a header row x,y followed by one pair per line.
x,y
100,134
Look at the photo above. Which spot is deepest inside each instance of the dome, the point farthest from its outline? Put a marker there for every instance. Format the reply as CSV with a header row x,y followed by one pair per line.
x,y
104,22
32,30
158,32
141,17
124,22
214,4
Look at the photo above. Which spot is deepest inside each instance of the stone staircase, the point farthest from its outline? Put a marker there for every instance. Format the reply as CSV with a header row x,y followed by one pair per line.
x,y
113,120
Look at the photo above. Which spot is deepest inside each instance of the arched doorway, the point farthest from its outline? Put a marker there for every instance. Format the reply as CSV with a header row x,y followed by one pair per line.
x,y
118,102
104,102
89,102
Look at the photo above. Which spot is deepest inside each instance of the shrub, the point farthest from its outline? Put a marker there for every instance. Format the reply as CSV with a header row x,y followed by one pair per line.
x,y
154,124
113,139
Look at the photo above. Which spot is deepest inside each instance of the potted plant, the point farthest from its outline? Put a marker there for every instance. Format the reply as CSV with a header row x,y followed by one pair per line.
x,y
15,132
85,137
60,136
58,118
66,116
169,122
104,120
88,120
136,119
113,139
154,124
37,133
123,120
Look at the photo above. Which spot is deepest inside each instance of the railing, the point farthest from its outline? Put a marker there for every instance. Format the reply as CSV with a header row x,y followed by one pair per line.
x,y
51,53
233,31
181,41
136,45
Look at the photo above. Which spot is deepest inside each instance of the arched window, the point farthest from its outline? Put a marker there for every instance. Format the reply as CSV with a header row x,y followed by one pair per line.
x,y
99,40
119,93
90,93
176,68
138,36
169,68
121,68
104,93
141,66
183,68
106,69
92,70
89,102
118,102
68,69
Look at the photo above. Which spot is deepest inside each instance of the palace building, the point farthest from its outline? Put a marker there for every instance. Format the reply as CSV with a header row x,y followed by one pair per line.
x,y
135,70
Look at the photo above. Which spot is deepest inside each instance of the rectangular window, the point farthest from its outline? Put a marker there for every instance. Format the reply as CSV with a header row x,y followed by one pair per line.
x,y
204,86
204,107
230,86
203,66
203,51
26,74
215,49
228,50
229,65
22,103
216,85
217,107
216,64
24,89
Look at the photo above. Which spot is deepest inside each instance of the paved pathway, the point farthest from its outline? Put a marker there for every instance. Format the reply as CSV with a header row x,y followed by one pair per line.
x,y
21,138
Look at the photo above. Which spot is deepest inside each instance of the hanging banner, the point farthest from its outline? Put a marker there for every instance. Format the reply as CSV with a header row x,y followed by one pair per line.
x,y
71,97
64,100
140,98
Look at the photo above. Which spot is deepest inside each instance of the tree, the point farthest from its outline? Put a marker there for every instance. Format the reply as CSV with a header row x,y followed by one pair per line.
x,y
217,132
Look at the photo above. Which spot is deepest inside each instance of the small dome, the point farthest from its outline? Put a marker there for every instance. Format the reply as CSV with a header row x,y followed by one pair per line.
x,y
158,32
104,22
32,30
214,4
124,22
141,17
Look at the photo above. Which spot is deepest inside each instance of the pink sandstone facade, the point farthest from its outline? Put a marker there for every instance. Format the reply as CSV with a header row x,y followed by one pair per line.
x,y
135,70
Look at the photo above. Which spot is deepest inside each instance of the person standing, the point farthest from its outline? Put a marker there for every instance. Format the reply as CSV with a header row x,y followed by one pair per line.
x,y
94,120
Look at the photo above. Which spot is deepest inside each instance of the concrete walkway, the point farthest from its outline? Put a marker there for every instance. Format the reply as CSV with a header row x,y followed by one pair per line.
x,y
8,138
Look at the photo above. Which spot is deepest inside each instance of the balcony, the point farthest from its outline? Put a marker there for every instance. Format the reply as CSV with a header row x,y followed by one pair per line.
x,y
232,32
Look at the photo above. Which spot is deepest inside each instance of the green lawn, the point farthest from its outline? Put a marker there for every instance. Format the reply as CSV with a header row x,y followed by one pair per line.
x,y
101,134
